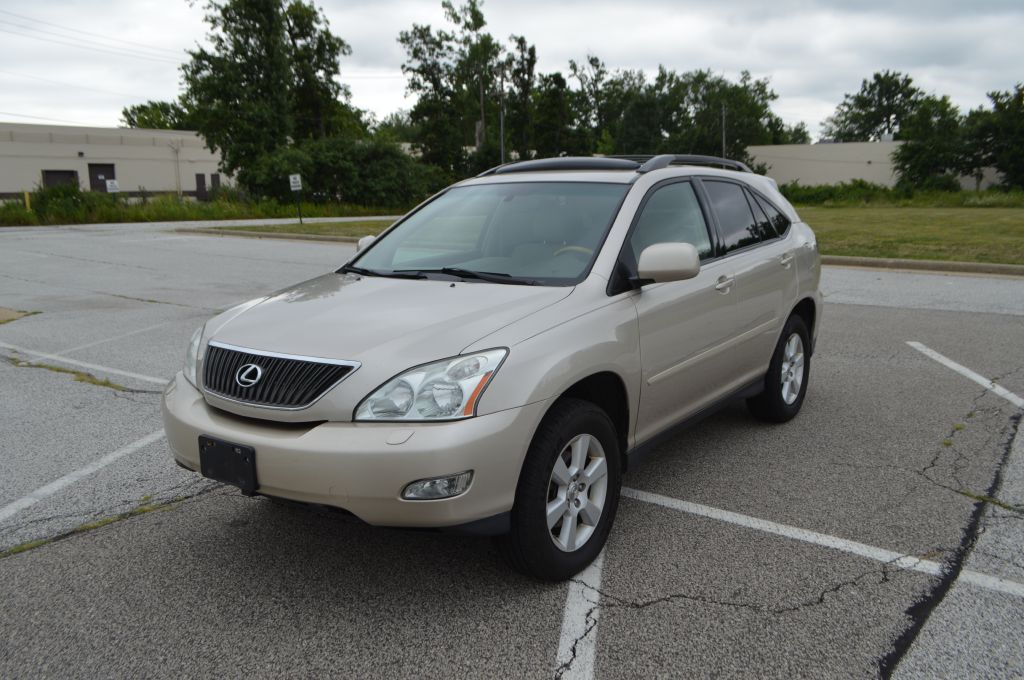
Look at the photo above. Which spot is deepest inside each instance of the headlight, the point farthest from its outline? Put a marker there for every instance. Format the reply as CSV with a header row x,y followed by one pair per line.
x,y
444,390
192,356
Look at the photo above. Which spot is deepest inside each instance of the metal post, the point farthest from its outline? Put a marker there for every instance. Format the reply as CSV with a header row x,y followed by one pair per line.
x,y
174,144
723,129
299,204
502,118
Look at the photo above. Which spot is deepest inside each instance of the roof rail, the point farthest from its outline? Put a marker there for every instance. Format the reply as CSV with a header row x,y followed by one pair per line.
x,y
664,160
565,163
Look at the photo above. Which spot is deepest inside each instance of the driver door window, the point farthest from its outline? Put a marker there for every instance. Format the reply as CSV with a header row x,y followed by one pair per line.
x,y
671,215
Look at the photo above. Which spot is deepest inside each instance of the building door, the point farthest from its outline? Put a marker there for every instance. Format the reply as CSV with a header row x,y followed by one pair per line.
x,y
99,173
200,186
53,178
215,181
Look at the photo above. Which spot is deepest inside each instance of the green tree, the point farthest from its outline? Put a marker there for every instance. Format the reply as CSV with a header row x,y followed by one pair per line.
x,y
930,155
555,131
788,134
430,74
396,127
977,145
157,115
698,101
314,55
589,100
267,80
879,108
519,66
456,74
1007,133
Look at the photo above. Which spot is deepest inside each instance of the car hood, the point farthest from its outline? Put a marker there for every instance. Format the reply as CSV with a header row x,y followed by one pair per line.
x,y
391,323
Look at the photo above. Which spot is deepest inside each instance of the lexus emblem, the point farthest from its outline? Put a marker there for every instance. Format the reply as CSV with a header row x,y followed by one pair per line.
x,y
248,375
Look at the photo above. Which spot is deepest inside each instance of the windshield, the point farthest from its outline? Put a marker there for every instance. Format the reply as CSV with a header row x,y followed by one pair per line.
x,y
524,232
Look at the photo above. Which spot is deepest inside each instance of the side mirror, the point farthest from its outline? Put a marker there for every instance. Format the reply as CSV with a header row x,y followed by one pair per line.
x,y
364,242
664,262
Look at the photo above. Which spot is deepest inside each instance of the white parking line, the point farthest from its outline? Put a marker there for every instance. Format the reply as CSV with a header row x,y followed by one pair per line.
x,y
871,552
93,367
577,645
968,373
56,485
104,341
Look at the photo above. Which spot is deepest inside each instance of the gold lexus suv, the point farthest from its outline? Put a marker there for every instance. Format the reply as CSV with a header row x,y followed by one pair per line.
x,y
495,360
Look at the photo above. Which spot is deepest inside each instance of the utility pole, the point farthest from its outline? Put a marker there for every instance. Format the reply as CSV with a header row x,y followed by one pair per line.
x,y
501,117
175,145
481,130
723,129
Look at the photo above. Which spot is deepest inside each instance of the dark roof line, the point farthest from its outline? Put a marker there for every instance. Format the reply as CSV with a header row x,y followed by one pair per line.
x,y
638,164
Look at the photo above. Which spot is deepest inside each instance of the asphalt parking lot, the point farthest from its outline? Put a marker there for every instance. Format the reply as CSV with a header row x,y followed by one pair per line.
x,y
878,534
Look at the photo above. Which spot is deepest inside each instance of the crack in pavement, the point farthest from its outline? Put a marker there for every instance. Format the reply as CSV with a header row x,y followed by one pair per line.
x,y
601,599
164,494
920,611
99,523
102,292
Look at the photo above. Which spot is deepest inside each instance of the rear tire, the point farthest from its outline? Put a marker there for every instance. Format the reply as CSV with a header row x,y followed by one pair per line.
x,y
568,493
785,384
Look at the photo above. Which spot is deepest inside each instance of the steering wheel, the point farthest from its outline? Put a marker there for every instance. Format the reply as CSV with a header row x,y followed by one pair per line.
x,y
574,249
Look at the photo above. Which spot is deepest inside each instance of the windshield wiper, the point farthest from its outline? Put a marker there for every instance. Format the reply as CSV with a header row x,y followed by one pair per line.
x,y
490,277
352,269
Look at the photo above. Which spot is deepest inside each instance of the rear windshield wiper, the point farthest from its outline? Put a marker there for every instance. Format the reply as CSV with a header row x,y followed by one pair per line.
x,y
490,277
352,269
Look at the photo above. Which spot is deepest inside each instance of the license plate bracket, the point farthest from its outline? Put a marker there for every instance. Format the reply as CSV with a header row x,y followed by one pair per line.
x,y
228,462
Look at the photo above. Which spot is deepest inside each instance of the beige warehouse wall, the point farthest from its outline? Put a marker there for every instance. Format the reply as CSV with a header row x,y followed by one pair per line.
x,y
141,158
813,164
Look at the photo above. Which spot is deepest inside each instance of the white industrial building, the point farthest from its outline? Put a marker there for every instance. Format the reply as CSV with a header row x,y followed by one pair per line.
x,y
832,163
139,161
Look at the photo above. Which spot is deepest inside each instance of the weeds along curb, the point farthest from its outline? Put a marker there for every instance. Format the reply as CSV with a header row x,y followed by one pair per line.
x,y
940,266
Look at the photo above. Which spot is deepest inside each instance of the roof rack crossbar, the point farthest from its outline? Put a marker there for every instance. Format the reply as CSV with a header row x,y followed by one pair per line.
x,y
564,163
665,160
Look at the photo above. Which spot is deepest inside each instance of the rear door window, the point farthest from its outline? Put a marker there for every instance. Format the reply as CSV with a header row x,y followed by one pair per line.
x,y
736,222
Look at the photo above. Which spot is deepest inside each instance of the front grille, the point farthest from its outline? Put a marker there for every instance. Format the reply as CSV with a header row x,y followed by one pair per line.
x,y
285,382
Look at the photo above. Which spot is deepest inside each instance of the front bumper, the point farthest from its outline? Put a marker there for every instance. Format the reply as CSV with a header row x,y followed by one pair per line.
x,y
363,467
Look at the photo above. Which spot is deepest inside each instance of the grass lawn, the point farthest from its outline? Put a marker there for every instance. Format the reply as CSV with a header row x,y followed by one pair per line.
x,y
958,234
358,228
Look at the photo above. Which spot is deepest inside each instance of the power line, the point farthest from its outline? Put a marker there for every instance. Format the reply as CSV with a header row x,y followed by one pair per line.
x,y
94,49
56,120
96,35
85,42
81,87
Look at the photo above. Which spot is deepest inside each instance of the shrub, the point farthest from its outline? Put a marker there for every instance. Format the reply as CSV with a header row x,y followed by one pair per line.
x,y
13,213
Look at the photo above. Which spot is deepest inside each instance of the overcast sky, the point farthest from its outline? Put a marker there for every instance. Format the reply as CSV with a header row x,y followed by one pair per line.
x,y
66,61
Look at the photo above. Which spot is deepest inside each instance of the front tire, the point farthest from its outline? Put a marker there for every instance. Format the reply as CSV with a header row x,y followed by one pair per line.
x,y
568,493
785,384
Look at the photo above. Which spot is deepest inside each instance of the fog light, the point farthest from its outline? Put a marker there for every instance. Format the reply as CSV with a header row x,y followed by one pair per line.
x,y
439,487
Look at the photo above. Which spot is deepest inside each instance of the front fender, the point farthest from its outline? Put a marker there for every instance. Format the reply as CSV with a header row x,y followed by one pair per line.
x,y
548,363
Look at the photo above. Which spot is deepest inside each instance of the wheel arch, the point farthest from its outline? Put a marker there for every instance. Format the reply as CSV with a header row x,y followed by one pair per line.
x,y
808,311
607,391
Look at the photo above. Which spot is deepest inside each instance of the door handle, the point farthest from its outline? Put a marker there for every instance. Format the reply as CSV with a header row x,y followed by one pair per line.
x,y
724,283
786,259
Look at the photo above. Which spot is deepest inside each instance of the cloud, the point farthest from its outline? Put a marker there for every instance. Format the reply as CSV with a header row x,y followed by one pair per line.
x,y
813,51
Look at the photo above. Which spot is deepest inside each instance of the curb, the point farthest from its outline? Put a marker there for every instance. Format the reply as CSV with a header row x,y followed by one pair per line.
x,y
939,266
264,234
